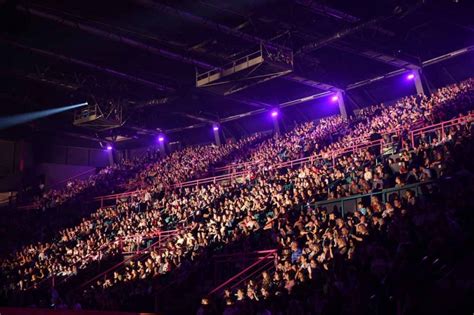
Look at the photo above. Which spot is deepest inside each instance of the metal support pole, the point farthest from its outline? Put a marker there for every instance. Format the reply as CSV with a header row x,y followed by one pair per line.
x,y
276,125
342,105
111,157
418,83
217,136
162,148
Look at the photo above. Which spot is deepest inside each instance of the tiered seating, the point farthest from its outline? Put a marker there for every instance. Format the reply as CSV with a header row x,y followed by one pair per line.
x,y
271,198
319,245
95,237
227,222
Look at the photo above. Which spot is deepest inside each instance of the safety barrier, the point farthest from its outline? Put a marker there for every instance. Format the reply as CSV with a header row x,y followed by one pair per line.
x,y
355,147
440,127
248,273
342,203
246,174
163,238
266,260
354,141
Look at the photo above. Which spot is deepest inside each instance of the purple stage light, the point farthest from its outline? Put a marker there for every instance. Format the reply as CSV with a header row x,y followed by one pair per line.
x,y
411,76
161,138
274,113
109,147
215,128
334,98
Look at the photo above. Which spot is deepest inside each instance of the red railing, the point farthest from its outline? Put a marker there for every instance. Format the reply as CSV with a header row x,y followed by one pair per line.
x,y
356,146
35,206
358,140
236,166
163,237
440,127
264,262
239,175
72,177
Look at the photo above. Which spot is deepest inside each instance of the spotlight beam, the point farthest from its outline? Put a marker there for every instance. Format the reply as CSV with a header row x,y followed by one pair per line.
x,y
10,121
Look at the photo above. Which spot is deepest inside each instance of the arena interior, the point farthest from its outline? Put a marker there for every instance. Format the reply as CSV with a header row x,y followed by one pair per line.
x,y
254,157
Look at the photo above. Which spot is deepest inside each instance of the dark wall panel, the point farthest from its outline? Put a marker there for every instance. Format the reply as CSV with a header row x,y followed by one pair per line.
x,y
78,156
99,158
7,155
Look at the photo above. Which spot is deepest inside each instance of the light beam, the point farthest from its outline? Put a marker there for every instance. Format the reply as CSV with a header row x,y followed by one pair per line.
x,y
10,121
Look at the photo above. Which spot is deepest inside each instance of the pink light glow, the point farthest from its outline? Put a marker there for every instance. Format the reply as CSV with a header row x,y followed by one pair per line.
x,y
109,147
274,113
215,128
334,98
161,138
411,76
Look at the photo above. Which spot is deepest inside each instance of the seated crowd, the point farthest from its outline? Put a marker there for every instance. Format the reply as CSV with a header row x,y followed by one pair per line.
x,y
312,241
96,236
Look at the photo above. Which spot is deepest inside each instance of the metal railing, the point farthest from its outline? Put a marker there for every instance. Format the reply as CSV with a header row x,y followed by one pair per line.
x,y
163,238
384,194
355,147
266,261
440,127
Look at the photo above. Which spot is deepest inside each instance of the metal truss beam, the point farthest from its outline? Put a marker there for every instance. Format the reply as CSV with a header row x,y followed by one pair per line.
x,y
425,63
261,110
208,23
349,87
354,29
229,31
327,11
311,83
119,38
447,56
115,37
153,102
173,130
196,117
377,56
367,53
339,35
92,66
253,103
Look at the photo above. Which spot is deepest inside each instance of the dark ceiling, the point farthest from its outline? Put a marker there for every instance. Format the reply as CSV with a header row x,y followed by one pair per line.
x,y
144,53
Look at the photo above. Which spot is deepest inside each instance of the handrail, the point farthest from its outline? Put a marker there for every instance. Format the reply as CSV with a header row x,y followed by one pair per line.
x,y
72,177
269,255
442,123
357,140
231,176
260,269
238,165
291,163
440,126
133,257
384,193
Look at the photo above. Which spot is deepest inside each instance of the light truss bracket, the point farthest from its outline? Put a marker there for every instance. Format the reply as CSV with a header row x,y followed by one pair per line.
x,y
262,65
